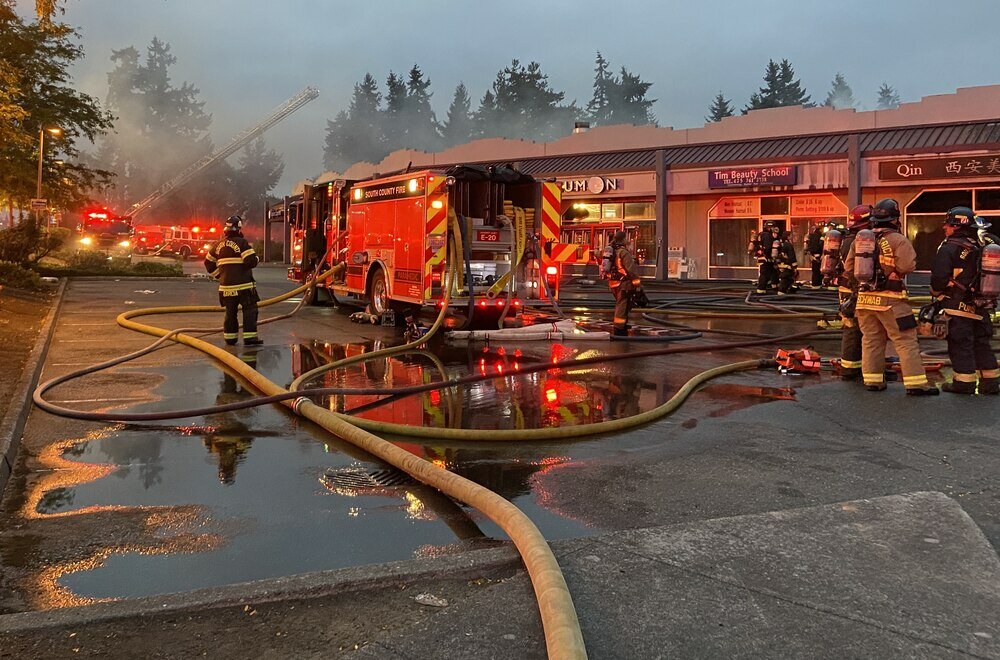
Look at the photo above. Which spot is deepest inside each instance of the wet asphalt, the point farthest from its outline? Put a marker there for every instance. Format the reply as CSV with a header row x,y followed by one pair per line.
x,y
103,511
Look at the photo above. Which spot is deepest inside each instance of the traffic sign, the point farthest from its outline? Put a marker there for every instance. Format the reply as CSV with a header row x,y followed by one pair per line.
x,y
39,204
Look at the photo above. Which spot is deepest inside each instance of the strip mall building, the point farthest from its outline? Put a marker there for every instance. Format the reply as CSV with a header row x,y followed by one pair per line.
x,y
691,198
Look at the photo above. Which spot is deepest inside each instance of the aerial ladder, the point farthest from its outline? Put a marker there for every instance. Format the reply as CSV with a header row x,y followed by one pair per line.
x,y
237,143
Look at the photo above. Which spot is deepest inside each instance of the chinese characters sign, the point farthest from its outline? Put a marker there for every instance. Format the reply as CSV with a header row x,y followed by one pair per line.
x,y
747,177
958,167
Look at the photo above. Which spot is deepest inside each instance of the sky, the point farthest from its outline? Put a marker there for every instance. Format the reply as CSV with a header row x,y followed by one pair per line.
x,y
248,56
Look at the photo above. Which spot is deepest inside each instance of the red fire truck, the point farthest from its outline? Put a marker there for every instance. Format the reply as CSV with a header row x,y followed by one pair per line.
x,y
394,234
102,230
174,240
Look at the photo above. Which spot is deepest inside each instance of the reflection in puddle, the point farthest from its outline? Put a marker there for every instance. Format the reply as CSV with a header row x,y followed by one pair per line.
x,y
259,488
536,400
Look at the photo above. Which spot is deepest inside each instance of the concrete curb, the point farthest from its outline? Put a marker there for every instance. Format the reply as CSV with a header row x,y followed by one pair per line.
x,y
12,424
138,278
466,564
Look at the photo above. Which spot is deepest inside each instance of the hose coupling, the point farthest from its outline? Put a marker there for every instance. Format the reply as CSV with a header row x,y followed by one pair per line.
x,y
298,402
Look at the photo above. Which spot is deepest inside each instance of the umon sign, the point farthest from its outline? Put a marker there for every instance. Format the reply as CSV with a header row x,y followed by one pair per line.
x,y
594,185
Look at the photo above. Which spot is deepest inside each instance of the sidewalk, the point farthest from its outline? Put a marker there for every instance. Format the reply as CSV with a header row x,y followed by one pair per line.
x,y
897,576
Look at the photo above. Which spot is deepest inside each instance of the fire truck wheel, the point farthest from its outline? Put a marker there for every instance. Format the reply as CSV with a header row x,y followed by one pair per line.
x,y
185,252
378,293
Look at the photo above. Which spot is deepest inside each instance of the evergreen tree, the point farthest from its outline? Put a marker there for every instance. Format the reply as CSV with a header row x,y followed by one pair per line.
x,y
521,104
887,98
840,95
259,170
486,119
720,109
458,128
420,124
598,108
156,117
35,94
357,134
780,89
393,128
629,104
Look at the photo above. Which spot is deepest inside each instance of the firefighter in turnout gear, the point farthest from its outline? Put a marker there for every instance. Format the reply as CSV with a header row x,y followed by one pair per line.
x,y
624,282
786,264
879,259
859,218
962,281
765,249
813,250
232,261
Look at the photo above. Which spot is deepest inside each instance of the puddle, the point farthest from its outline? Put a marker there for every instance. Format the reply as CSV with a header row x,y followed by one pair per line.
x,y
257,482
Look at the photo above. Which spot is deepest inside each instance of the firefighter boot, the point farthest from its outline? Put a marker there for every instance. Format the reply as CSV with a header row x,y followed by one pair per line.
x,y
989,385
850,374
252,341
922,391
963,386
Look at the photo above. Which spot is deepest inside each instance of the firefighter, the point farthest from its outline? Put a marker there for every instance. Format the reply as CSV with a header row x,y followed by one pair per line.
x,y
879,259
765,250
624,282
786,264
847,291
814,252
963,290
232,261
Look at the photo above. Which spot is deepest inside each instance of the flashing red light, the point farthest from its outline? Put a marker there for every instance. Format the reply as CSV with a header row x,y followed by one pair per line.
x,y
195,229
551,396
143,239
551,270
501,351
211,230
440,303
435,397
499,303
517,303
499,367
518,353
482,303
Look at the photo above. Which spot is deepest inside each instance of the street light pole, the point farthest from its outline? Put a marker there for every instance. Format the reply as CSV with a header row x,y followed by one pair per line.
x,y
41,148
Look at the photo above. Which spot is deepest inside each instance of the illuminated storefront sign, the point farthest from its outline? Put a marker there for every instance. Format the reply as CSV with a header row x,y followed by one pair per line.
x,y
749,177
940,168
594,185
815,206
736,207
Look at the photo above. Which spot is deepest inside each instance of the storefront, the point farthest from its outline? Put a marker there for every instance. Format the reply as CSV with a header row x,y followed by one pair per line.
x,y
927,188
733,222
595,207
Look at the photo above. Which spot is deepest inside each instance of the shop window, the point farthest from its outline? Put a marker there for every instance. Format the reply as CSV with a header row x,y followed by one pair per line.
x,y
645,242
640,211
988,200
799,231
583,212
728,240
612,212
926,233
774,206
939,201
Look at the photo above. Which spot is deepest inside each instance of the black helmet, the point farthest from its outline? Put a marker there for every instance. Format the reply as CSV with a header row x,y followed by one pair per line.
x,y
234,224
770,225
960,216
886,212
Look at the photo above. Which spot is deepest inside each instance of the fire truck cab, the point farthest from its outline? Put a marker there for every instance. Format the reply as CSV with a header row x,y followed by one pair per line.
x,y
494,228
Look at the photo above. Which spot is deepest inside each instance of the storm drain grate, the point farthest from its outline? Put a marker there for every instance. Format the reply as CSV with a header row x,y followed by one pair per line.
x,y
358,478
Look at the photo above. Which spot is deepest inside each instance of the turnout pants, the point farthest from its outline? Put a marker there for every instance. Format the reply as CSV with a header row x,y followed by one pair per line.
x,y
766,273
623,304
786,279
817,276
850,346
898,326
969,348
247,299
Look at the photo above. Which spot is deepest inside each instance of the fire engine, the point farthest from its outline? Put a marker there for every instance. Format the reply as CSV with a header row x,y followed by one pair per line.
x,y
180,241
394,232
101,229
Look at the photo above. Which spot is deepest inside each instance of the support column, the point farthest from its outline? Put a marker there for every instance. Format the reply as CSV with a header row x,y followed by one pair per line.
x,y
661,214
286,237
853,171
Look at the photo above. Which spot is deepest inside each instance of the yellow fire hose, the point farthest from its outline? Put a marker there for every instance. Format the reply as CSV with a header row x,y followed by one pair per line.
x,y
563,638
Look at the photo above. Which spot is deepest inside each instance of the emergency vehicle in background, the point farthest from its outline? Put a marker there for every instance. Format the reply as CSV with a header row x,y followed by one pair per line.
x,y
100,229
394,232
179,241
